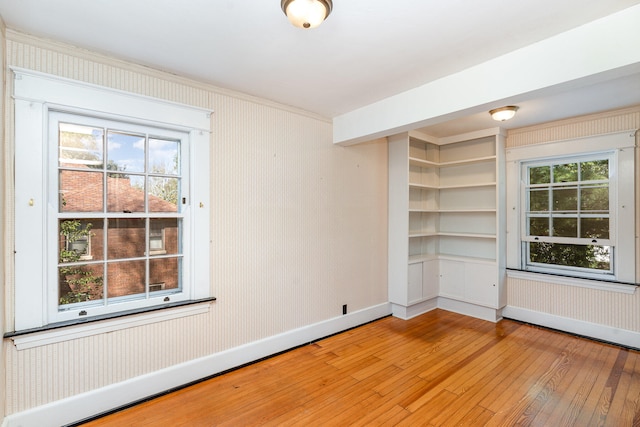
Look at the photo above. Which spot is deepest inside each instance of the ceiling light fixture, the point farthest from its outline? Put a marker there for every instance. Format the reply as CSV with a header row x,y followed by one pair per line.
x,y
306,13
503,113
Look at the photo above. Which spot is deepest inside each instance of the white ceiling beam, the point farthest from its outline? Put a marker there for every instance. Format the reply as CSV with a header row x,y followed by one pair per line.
x,y
606,48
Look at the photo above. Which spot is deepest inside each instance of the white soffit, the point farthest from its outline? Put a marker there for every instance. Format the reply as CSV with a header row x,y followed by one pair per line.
x,y
599,51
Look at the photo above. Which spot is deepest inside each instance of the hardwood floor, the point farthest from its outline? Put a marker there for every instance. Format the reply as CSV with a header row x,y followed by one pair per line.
x,y
438,369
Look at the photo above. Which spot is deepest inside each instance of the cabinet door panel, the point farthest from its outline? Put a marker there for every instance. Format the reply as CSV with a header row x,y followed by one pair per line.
x,y
415,282
430,279
452,279
481,286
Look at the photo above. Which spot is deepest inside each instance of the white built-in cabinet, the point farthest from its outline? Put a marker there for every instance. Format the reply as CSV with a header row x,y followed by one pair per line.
x,y
447,223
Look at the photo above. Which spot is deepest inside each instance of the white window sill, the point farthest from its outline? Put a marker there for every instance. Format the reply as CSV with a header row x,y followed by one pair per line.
x,y
600,285
54,335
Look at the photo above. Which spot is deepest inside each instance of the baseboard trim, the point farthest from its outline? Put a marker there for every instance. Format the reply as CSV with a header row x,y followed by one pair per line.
x,y
407,312
86,405
596,331
468,309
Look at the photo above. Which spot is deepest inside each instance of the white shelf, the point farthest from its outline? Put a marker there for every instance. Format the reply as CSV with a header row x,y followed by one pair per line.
x,y
468,161
452,227
468,235
414,161
423,234
476,260
414,259
422,258
462,186
423,186
452,234
451,187
470,211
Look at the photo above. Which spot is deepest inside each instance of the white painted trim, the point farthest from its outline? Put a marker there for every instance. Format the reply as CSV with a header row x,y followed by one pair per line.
x,y
448,304
622,186
469,309
407,312
604,48
573,281
580,327
573,146
35,96
43,88
81,406
68,333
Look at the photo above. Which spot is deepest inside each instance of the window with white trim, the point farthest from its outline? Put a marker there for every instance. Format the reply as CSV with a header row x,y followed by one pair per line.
x,y
572,208
105,179
567,215
122,186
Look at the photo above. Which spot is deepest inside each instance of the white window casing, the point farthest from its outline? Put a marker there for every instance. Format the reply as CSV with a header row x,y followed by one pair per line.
x,y
36,96
620,149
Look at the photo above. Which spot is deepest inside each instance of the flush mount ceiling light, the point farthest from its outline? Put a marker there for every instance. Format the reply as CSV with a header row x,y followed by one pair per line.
x,y
503,113
306,13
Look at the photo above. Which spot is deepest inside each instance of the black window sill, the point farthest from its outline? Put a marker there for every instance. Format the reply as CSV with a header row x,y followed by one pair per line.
x,y
109,316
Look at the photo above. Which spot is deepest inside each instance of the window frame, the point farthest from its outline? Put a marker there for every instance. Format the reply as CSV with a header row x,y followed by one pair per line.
x,y
620,147
527,238
129,301
35,96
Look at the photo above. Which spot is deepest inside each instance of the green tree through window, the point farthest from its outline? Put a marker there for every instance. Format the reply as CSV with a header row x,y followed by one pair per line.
x,y
567,217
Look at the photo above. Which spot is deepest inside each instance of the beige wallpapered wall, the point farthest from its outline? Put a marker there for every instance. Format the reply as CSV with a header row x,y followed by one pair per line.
x,y
590,305
298,228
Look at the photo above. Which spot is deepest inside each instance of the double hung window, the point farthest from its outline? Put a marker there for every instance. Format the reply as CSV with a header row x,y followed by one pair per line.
x,y
572,208
568,214
105,180
120,187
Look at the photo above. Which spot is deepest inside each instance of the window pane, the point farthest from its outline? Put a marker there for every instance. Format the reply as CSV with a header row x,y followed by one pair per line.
x,y
594,170
565,173
80,146
126,238
565,199
163,156
594,228
540,175
165,271
565,227
125,278
593,257
163,194
163,236
80,240
594,198
79,283
125,193
125,152
80,191
538,226
539,200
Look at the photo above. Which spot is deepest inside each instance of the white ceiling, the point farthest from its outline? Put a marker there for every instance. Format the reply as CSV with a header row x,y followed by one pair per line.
x,y
367,50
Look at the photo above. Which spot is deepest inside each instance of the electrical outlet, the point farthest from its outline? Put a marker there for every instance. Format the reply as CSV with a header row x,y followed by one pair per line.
x,y
344,309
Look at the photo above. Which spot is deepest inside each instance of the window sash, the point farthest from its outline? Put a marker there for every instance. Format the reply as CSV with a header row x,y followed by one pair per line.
x,y
131,298
35,94
547,212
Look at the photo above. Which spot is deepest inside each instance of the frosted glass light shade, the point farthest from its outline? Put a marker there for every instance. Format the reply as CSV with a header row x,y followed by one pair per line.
x,y
306,13
503,113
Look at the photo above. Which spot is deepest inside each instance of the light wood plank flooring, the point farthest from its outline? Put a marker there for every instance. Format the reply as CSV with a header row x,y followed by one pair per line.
x,y
438,369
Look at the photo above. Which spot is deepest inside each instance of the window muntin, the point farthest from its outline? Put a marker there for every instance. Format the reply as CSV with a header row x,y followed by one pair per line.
x,y
35,96
568,215
123,187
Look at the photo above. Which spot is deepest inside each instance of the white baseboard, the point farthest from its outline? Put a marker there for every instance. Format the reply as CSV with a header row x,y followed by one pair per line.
x,y
593,330
468,309
448,304
85,405
405,313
